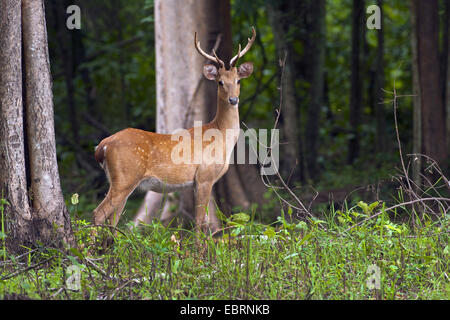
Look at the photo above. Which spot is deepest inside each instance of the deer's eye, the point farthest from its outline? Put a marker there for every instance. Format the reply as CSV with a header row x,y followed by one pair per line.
x,y
239,81
221,82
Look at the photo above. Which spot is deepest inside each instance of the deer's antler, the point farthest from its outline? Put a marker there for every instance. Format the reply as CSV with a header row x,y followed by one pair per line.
x,y
207,56
234,60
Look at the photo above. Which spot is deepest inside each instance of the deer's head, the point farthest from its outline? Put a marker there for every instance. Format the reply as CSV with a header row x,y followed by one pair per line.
x,y
228,80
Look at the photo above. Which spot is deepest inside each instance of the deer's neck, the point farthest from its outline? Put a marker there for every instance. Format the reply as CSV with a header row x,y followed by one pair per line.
x,y
227,117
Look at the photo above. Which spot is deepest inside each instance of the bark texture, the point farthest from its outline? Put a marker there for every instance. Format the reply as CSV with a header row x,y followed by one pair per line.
x,y
428,68
447,75
51,218
13,182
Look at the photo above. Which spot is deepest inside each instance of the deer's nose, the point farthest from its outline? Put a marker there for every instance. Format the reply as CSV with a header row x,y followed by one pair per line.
x,y
233,100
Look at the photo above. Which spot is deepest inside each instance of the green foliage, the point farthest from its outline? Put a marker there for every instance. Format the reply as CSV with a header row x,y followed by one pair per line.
x,y
334,130
319,259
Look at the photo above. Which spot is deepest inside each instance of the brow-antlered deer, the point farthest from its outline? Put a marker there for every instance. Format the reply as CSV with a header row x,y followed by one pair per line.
x,y
134,157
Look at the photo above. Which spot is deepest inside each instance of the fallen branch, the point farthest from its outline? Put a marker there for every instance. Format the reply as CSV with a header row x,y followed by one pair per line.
x,y
12,275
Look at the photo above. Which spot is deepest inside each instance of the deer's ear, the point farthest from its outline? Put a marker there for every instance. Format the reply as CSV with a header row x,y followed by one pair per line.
x,y
245,70
210,71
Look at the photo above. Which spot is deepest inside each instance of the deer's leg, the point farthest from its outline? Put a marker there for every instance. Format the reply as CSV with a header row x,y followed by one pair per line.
x,y
202,195
117,212
111,207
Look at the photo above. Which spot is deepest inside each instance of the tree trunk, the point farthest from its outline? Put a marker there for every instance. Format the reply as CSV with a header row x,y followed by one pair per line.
x,y
356,83
290,112
380,137
13,182
51,219
417,109
447,75
432,111
317,54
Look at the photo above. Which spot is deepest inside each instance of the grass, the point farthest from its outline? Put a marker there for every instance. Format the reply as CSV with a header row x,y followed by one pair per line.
x,y
316,259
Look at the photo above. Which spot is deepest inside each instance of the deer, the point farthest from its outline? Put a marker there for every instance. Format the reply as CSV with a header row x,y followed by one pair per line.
x,y
134,158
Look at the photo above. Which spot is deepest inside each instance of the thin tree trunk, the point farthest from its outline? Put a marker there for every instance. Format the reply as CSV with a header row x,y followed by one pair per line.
x,y
432,111
51,220
356,84
380,138
447,76
317,54
417,108
13,182
290,113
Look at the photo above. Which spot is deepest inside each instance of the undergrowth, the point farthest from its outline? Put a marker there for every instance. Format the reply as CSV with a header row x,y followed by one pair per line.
x,y
329,258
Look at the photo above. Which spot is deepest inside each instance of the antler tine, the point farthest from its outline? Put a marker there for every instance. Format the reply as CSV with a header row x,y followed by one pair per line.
x,y
207,56
222,64
233,63
247,47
